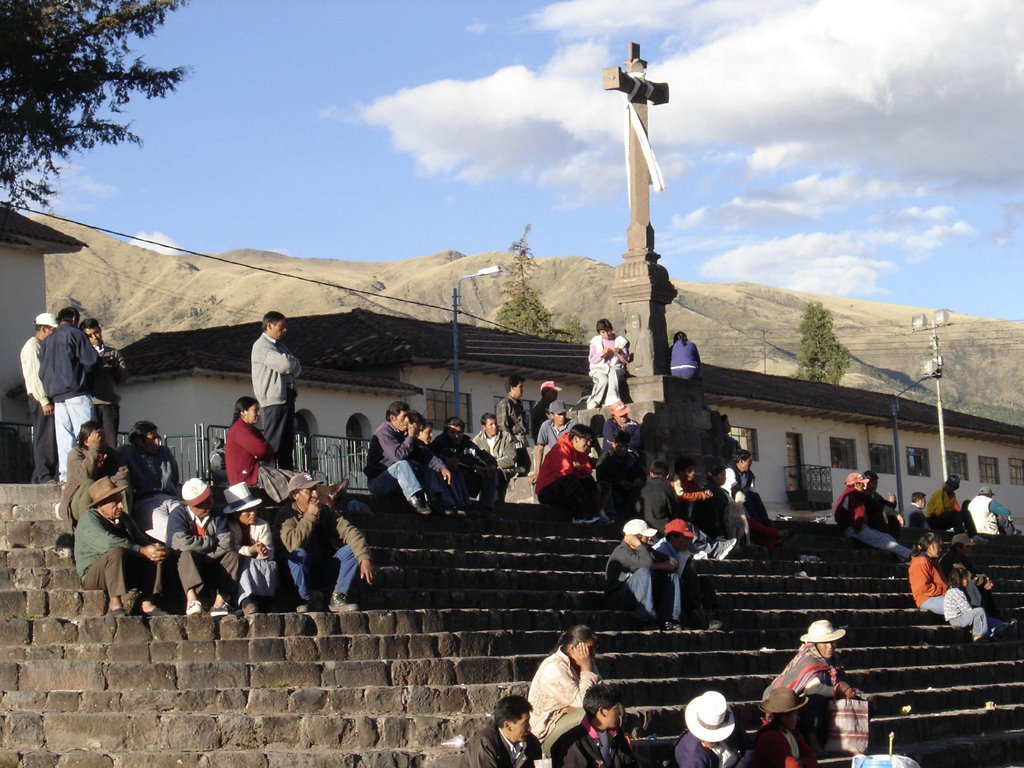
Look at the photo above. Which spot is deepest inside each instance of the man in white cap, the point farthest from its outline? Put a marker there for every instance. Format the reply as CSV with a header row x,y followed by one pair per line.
x,y
40,408
712,738
322,547
539,413
205,554
640,578
990,517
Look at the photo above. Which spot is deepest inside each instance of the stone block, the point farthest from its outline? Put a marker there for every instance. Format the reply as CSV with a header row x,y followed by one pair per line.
x,y
379,700
168,759
482,670
56,652
300,649
23,730
324,623
189,732
423,672
266,649
149,701
308,700
196,700
268,701
212,675
13,604
333,647
132,629
229,700
302,624
354,623
94,603
65,578
48,631
238,732
323,731
355,673
85,731
61,676
9,672
38,760
97,630
265,625
163,651
201,627
197,650
305,760
233,627
284,675
281,732
169,628
60,701
364,647
99,701
85,760
146,676
381,622
233,650
128,652
9,759
226,759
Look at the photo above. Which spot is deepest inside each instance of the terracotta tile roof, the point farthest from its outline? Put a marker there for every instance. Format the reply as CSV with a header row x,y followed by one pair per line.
x,y
21,231
359,341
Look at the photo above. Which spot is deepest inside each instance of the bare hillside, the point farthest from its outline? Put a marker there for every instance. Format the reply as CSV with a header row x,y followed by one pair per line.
x,y
135,291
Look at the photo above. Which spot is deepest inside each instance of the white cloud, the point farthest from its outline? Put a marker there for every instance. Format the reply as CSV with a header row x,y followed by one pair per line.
x,y
78,191
162,243
477,28
840,264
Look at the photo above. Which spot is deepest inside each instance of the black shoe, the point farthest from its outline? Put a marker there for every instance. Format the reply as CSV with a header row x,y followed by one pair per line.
x,y
418,501
341,604
672,626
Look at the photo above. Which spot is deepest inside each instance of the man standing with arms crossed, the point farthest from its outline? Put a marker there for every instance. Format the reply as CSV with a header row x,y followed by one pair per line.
x,y
40,409
274,370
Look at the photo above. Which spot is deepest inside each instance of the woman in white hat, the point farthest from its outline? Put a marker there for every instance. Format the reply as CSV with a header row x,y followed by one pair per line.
x,y
815,672
252,539
712,739
779,744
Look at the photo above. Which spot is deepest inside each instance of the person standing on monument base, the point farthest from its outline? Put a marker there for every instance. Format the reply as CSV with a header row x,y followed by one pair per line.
x,y
274,370
40,409
66,359
608,356
111,371
511,418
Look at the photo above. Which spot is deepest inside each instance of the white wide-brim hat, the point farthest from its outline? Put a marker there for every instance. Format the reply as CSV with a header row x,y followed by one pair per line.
x,y
239,498
822,632
709,718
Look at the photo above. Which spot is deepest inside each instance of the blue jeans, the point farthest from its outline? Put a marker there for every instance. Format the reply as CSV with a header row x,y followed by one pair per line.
x,y
935,605
302,568
68,418
654,597
411,479
979,622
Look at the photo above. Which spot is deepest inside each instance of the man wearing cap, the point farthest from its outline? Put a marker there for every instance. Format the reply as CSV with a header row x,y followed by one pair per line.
x,y
205,553
712,738
637,577
323,547
40,409
851,516
539,413
397,458
112,554
990,517
944,512
696,594
564,479
881,510
619,421
474,472
274,370
252,538
66,359
153,472
556,422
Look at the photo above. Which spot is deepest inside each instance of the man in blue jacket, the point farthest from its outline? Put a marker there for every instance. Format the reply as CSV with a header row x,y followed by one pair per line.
x,y
65,360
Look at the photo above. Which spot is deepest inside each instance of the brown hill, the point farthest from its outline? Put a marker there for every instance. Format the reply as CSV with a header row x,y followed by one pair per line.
x,y
135,291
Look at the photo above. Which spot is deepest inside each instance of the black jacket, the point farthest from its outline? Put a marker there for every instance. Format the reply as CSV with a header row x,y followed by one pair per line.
x,y
488,750
577,749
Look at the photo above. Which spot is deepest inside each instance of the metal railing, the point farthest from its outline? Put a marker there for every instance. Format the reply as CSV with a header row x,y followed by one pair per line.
x,y
338,458
809,485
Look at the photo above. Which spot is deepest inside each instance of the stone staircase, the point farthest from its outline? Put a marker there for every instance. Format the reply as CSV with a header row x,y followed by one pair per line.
x,y
462,612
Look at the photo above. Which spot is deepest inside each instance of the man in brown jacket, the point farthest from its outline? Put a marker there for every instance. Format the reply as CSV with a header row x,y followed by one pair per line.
x,y
319,542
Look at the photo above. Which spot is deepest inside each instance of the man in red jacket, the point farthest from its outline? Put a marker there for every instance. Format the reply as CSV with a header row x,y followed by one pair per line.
x,y
565,477
851,516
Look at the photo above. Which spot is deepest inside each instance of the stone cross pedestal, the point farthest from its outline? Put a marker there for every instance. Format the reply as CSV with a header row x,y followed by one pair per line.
x,y
672,410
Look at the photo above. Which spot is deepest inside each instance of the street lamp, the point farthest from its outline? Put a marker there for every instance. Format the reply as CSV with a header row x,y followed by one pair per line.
x,y
456,295
932,369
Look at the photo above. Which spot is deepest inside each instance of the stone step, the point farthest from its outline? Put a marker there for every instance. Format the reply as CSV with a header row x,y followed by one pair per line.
x,y
228,758
407,636
24,493
840,617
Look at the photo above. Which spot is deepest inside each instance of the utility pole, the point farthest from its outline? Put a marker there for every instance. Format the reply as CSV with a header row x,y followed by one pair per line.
x,y
932,368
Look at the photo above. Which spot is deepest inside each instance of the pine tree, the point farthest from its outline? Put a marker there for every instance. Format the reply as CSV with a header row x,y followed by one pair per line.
x,y
522,309
821,357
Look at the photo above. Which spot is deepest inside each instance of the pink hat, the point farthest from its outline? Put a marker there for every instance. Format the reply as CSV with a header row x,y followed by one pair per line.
x,y
855,477
550,385
618,409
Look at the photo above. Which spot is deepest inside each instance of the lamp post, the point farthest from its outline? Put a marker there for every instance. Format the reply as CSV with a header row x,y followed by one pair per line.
x,y
896,441
932,369
456,295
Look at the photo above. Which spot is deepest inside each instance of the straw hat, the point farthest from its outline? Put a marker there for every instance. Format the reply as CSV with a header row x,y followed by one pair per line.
x,y
822,632
239,498
104,488
709,718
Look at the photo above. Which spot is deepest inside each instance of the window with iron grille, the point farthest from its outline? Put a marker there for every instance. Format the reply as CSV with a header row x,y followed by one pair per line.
x,y
917,462
988,470
881,459
1016,471
747,438
441,406
956,464
843,452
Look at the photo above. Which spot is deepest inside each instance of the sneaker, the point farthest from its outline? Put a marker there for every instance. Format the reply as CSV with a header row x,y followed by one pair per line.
x,y
700,555
586,520
340,603
451,512
194,608
221,610
979,540
603,519
728,547
672,626
300,608
418,501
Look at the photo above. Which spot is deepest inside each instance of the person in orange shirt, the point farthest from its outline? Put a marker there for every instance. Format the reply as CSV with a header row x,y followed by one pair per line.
x,y
927,584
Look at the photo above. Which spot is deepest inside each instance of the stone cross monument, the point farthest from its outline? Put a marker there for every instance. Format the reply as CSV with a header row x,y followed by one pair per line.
x,y
642,286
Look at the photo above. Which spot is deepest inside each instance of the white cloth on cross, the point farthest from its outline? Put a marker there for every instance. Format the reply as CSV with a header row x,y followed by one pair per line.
x,y
633,123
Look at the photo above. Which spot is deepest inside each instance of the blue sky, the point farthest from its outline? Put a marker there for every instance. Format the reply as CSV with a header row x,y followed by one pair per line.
x,y
865,149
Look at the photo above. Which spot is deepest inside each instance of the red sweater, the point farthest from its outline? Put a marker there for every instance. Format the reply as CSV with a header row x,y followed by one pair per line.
x,y
562,460
244,449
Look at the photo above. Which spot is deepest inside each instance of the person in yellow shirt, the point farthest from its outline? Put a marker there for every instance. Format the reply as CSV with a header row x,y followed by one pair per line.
x,y
943,511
